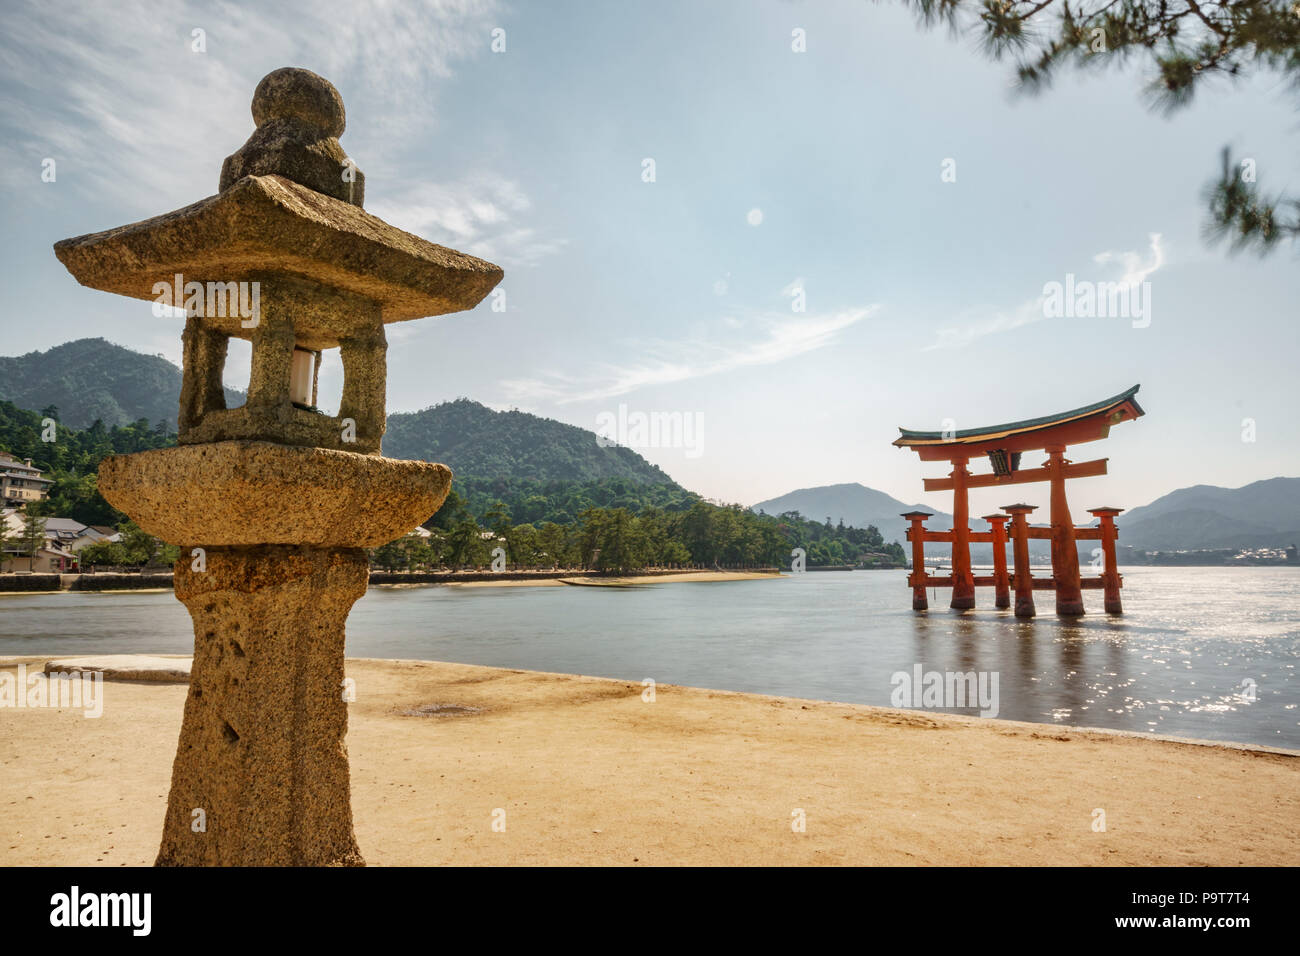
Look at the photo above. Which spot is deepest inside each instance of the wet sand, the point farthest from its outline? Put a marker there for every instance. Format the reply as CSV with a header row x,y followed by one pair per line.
x,y
587,772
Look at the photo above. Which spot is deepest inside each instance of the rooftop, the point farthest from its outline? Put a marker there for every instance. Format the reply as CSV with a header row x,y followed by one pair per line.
x,y
1086,423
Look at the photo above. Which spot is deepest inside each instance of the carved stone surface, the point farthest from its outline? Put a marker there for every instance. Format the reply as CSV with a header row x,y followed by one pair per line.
x,y
267,224
261,754
245,493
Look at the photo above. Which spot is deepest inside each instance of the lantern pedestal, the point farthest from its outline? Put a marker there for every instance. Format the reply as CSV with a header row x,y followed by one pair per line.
x,y
262,752
273,541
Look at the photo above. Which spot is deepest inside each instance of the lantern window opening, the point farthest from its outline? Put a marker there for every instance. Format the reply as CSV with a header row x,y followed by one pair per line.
x,y
238,369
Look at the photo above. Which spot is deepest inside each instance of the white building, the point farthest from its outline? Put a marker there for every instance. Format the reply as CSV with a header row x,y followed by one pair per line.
x,y
21,482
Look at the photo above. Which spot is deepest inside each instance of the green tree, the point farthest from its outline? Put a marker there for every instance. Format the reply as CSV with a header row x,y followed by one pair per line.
x,y
497,519
142,548
1183,43
103,552
437,548
613,540
78,498
521,544
466,546
419,554
7,540
32,536
390,556
452,512
552,544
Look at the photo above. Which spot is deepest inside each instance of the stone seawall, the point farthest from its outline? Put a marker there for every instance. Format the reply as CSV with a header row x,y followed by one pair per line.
x,y
30,582
16,583
118,582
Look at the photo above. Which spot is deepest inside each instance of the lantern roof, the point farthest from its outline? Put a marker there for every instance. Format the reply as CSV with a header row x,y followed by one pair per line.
x,y
268,224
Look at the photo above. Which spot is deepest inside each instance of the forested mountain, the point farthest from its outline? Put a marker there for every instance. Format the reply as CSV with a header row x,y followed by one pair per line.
x,y
548,489
93,379
534,502
475,441
72,459
614,524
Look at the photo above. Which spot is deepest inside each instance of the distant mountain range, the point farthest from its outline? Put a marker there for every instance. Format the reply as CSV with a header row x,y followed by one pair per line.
x,y
93,379
857,505
1265,514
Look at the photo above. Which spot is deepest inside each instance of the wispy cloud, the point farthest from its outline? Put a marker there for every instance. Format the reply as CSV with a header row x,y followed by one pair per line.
x,y
115,93
480,215
783,338
956,336
1136,270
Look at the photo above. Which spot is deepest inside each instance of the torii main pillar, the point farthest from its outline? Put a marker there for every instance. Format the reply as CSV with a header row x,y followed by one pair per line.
x,y
963,579
1065,555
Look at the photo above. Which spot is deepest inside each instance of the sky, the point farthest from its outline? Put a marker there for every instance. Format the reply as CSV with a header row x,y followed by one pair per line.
x,y
797,250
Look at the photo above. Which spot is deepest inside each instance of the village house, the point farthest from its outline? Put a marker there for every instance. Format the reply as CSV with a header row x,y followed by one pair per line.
x,y
64,538
20,482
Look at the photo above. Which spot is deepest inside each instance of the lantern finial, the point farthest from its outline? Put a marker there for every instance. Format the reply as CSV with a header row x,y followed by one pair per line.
x,y
299,118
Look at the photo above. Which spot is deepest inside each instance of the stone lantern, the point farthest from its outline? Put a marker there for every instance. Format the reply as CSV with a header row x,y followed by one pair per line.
x,y
274,503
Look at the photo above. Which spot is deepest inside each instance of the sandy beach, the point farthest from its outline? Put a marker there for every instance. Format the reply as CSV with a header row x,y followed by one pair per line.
x,y
587,772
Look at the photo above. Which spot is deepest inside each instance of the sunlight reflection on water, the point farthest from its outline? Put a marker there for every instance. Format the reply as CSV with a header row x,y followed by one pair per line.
x,y
1180,661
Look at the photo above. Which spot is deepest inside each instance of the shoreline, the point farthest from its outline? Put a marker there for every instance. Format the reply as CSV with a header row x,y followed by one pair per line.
x,y
590,772
632,580
161,581
8,661
155,582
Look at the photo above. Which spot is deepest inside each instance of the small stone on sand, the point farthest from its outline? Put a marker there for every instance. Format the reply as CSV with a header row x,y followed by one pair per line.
x,y
166,670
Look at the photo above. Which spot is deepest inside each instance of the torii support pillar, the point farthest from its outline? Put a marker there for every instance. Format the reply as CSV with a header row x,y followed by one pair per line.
x,y
1001,584
1109,574
916,534
1065,554
963,579
1024,582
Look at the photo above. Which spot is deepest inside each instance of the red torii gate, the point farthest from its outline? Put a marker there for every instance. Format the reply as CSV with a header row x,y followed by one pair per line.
x,y
1004,445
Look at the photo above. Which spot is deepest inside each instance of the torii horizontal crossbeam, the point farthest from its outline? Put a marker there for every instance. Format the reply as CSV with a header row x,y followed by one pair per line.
x,y
1083,469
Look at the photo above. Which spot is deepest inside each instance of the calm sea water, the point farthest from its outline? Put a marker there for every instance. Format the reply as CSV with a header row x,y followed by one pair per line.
x,y
1193,648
